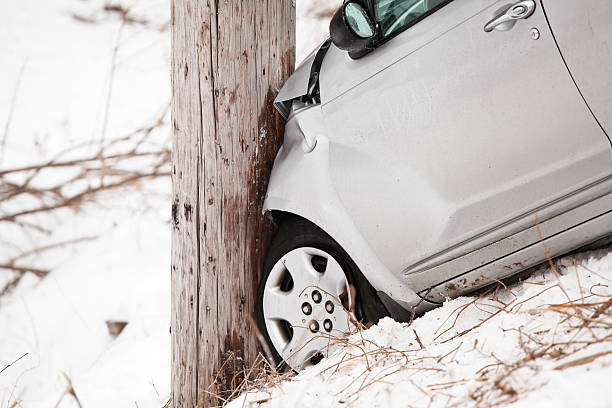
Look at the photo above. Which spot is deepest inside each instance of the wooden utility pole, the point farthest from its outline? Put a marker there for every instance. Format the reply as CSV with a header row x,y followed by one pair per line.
x,y
229,58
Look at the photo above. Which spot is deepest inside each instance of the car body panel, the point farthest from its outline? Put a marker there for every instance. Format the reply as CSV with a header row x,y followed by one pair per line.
x,y
556,244
552,219
300,184
303,85
482,266
296,85
461,140
335,82
430,176
583,31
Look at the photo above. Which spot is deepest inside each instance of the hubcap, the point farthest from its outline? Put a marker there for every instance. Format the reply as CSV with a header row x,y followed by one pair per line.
x,y
305,304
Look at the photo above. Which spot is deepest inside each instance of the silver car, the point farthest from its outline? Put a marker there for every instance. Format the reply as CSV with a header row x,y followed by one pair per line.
x,y
433,147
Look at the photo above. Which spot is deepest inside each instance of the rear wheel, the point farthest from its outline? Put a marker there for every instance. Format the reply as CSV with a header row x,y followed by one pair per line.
x,y
304,298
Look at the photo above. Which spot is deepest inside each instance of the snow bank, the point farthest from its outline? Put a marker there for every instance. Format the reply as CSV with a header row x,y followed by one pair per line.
x,y
542,342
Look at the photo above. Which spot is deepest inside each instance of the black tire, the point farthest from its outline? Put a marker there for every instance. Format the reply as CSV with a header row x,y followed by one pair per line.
x,y
296,232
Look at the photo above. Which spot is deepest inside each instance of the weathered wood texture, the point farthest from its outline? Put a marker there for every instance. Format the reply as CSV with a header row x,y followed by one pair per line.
x,y
229,59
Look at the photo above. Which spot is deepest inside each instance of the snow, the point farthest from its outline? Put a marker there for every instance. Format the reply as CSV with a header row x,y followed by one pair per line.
x,y
499,348
123,275
312,24
60,88
57,79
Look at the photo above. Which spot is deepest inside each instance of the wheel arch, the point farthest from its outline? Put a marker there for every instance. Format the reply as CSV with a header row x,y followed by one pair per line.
x,y
372,310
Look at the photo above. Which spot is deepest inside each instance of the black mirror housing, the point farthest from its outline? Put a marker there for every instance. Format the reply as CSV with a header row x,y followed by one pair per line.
x,y
346,39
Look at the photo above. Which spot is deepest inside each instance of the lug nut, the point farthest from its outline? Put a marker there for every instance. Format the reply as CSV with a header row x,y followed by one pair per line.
x,y
314,326
329,306
328,325
306,308
316,296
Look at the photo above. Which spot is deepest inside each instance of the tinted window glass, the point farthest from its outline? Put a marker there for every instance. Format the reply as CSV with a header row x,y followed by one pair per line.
x,y
393,15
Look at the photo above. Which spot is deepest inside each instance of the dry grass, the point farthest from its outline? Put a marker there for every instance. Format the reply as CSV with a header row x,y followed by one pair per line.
x,y
233,379
34,196
585,321
579,316
111,10
68,392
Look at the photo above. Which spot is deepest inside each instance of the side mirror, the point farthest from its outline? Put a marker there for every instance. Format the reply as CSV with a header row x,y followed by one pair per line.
x,y
352,29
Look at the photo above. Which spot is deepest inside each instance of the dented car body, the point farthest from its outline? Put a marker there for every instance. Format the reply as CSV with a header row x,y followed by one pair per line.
x,y
455,149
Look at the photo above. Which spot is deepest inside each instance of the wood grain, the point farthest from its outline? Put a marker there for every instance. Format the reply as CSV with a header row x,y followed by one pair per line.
x,y
229,58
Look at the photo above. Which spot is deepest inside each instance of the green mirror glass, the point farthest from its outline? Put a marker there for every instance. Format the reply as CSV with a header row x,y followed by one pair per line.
x,y
358,21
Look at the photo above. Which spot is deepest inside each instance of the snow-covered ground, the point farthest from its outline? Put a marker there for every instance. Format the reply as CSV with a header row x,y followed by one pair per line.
x,y
72,73
58,74
543,342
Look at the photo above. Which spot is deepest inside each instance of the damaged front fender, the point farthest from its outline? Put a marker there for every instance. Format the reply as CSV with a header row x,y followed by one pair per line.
x,y
303,85
301,184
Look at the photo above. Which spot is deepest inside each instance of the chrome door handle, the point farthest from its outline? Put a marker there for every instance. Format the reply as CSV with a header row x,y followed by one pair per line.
x,y
518,11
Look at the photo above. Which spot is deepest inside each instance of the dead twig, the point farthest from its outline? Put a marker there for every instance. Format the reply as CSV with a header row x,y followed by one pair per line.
x,y
69,391
582,361
416,335
5,368
25,192
552,265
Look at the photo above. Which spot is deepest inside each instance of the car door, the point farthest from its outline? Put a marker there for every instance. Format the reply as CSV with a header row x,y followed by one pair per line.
x,y
583,31
447,138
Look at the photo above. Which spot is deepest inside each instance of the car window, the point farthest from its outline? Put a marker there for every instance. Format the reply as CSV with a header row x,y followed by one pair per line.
x,y
394,15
